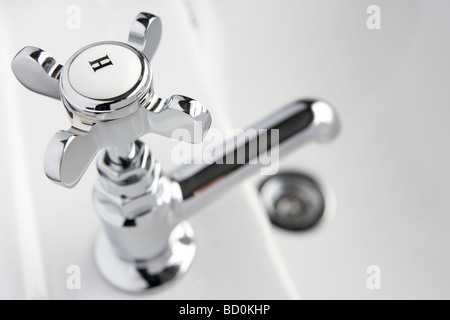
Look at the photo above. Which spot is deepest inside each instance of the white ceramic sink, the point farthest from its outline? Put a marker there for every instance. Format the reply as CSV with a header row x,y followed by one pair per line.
x,y
387,172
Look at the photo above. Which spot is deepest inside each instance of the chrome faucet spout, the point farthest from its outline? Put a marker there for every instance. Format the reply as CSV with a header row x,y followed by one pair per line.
x,y
294,125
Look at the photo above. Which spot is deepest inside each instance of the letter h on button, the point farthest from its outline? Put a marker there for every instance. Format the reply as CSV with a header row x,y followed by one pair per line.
x,y
100,63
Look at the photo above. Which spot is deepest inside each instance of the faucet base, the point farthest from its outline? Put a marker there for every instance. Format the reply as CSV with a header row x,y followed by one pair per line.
x,y
141,276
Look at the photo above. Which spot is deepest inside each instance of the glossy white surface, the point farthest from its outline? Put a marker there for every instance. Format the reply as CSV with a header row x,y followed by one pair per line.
x,y
242,59
104,71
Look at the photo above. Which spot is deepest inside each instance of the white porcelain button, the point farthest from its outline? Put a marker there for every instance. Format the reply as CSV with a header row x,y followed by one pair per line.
x,y
105,71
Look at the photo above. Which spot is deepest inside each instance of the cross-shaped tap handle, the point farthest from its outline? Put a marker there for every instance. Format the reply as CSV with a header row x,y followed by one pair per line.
x,y
106,88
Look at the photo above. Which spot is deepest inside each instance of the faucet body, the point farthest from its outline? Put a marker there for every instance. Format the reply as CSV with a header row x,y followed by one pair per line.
x,y
141,214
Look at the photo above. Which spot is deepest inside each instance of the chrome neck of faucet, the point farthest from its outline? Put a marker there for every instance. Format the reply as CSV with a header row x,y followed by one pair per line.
x,y
298,123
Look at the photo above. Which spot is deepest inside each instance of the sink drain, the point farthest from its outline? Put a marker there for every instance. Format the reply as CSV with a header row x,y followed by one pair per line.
x,y
293,200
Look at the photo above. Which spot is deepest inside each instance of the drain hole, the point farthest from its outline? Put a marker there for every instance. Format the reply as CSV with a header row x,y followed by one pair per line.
x,y
293,200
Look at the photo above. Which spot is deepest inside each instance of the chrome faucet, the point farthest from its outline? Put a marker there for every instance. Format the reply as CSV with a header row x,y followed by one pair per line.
x,y
107,90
